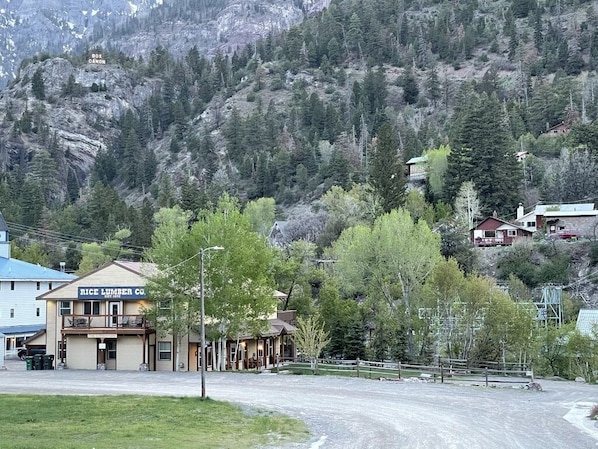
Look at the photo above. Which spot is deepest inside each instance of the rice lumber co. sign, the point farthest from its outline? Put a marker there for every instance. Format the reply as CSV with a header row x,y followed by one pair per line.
x,y
111,293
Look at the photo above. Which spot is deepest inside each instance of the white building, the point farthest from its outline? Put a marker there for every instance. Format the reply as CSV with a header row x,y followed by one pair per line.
x,y
21,315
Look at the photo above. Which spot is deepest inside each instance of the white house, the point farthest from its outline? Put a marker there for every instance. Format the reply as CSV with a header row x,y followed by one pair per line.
x,y
587,322
21,315
560,220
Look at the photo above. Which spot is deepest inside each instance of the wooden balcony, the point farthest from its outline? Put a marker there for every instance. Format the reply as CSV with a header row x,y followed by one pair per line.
x,y
106,324
491,241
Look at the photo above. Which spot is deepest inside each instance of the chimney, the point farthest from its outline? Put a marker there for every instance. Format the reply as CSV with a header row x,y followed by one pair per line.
x,y
520,211
495,214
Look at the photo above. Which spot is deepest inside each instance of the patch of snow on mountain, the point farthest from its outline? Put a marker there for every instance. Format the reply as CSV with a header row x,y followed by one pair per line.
x,y
134,8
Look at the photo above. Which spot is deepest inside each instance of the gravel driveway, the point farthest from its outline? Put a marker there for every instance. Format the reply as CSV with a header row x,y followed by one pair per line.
x,y
360,413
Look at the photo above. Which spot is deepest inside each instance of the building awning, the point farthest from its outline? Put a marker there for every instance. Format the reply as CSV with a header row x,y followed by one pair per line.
x,y
10,331
276,327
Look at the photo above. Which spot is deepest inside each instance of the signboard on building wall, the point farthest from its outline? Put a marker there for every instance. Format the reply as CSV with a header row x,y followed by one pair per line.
x,y
111,293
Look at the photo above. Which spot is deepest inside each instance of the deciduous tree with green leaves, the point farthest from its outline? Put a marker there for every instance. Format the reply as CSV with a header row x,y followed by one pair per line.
x,y
389,261
310,338
95,255
239,287
172,307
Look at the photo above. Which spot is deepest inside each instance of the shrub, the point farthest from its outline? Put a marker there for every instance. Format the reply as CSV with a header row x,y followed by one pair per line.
x,y
594,254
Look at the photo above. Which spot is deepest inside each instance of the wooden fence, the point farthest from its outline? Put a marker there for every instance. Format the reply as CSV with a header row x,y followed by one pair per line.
x,y
490,374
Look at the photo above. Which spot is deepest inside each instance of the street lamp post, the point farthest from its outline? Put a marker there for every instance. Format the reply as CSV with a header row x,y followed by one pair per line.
x,y
202,251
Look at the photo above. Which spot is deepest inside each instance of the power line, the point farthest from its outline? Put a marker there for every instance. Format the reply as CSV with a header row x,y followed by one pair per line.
x,y
45,235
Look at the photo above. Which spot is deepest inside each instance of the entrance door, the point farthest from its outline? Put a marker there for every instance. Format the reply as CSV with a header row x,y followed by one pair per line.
x,y
114,311
110,354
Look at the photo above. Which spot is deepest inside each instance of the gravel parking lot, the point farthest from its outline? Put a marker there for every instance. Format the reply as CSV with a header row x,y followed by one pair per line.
x,y
360,413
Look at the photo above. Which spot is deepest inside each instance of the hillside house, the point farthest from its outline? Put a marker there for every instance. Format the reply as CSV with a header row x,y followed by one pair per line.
x,y
493,231
21,316
560,220
587,322
417,169
557,130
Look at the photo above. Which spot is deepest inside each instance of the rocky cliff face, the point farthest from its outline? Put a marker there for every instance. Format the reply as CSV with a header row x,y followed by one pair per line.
x,y
136,27
28,27
79,124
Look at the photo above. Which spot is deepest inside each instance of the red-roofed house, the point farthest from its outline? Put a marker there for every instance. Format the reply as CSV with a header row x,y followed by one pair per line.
x,y
493,231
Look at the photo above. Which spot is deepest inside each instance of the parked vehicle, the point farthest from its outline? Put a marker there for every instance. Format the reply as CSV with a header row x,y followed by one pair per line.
x,y
24,352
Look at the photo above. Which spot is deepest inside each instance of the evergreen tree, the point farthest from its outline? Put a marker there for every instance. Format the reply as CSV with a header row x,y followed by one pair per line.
x,y
190,197
410,89
72,186
32,202
492,167
354,34
43,169
142,227
166,192
37,84
433,86
354,342
387,174
131,156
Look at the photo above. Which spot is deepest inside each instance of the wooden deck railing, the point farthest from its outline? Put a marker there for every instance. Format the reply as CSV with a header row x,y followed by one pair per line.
x,y
104,321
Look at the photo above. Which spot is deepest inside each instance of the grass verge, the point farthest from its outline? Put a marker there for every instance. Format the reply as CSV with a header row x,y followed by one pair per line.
x,y
31,421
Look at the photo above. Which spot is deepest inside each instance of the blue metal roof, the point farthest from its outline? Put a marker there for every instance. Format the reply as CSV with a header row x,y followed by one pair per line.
x,y
17,270
22,329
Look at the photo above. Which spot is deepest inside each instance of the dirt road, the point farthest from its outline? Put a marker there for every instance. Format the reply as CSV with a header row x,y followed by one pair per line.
x,y
359,413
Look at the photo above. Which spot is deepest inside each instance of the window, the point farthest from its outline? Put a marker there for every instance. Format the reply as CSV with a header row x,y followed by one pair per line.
x,y
165,304
164,350
490,234
39,285
233,353
512,232
61,350
12,313
91,308
12,285
111,349
65,308
49,286
531,224
37,312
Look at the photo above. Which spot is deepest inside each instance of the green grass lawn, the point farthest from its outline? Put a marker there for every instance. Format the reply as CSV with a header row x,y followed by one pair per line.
x,y
29,421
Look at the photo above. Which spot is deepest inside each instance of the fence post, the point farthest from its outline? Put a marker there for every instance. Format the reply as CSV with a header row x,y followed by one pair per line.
x,y
357,366
486,375
441,373
399,370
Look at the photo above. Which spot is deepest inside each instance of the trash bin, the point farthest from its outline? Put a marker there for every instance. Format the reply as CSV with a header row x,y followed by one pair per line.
x,y
38,362
29,362
48,361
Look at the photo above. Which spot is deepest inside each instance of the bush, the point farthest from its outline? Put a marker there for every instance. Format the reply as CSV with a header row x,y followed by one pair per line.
x,y
593,253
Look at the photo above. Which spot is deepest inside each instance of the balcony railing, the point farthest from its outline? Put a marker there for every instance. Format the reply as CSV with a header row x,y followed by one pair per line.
x,y
490,241
105,321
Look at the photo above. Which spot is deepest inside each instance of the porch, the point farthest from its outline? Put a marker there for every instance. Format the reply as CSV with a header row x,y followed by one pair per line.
x,y
121,324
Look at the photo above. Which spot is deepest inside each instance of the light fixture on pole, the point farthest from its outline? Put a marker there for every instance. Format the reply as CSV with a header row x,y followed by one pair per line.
x,y
202,251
